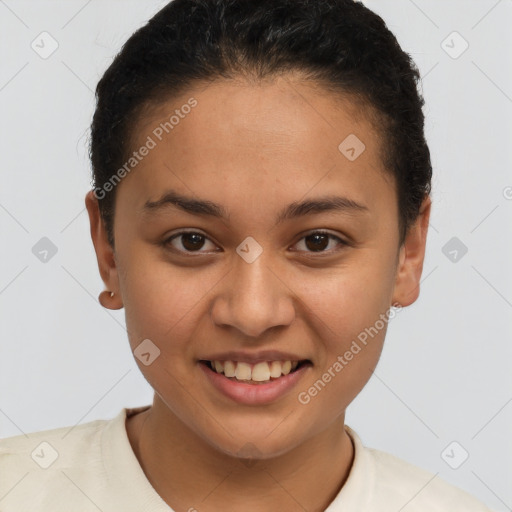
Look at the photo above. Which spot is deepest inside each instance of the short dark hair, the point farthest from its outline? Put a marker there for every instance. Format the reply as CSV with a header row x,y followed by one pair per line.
x,y
340,44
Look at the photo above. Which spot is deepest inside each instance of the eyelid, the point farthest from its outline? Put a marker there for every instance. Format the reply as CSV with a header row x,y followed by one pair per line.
x,y
321,231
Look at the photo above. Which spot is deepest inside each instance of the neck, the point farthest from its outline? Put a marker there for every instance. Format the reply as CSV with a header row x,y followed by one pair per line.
x,y
188,473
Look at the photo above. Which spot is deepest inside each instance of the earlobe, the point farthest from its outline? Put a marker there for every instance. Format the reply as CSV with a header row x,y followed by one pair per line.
x,y
411,258
109,300
111,297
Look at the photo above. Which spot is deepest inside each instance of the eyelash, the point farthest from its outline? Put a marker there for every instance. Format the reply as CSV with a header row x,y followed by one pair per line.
x,y
167,242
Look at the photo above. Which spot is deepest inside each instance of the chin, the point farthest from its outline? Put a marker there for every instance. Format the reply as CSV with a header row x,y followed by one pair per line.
x,y
260,444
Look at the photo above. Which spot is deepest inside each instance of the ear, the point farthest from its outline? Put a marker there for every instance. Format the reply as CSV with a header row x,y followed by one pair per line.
x,y
411,257
105,255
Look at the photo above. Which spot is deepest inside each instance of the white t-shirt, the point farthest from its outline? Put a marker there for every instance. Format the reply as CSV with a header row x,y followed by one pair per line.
x,y
92,467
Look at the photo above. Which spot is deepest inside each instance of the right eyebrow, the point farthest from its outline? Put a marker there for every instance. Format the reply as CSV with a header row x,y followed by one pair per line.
x,y
187,204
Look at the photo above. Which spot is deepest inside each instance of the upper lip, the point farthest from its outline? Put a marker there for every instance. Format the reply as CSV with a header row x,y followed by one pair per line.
x,y
253,357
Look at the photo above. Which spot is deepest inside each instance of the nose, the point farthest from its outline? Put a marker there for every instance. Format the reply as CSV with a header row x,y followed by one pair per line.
x,y
253,298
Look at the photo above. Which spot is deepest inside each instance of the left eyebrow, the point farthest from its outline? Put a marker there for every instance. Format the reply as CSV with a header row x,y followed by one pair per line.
x,y
294,210
319,205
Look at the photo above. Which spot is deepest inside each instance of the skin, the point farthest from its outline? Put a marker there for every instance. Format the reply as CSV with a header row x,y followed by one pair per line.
x,y
254,148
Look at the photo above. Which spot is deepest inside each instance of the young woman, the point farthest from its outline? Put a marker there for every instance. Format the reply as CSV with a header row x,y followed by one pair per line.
x,y
260,206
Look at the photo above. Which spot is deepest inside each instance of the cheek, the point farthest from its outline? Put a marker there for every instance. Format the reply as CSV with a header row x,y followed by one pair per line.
x,y
348,298
350,314
162,301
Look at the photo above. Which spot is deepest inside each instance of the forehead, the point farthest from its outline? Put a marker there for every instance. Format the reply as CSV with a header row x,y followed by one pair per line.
x,y
233,136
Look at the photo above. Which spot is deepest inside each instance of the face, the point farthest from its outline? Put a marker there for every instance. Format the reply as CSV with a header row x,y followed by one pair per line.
x,y
216,260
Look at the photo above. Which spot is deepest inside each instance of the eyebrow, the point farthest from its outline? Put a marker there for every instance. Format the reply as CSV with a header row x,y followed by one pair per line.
x,y
294,210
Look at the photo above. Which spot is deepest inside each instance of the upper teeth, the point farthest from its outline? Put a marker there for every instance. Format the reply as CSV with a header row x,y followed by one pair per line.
x,y
258,372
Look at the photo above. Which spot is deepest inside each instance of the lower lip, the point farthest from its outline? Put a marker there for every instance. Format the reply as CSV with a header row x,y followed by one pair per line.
x,y
254,394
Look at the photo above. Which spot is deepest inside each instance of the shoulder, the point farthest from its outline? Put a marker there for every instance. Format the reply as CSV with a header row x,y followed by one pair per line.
x,y
45,448
41,466
400,484
420,489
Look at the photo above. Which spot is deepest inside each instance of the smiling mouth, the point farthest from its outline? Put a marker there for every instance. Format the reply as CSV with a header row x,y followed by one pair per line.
x,y
255,373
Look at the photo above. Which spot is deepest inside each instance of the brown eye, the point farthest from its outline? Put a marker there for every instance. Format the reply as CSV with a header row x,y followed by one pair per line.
x,y
192,241
318,241
187,241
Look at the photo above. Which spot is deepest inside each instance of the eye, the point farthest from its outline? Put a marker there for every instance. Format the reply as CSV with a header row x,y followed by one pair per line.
x,y
191,241
317,241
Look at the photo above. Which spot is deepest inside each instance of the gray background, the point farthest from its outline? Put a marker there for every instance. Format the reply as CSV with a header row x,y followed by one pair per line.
x,y
444,375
